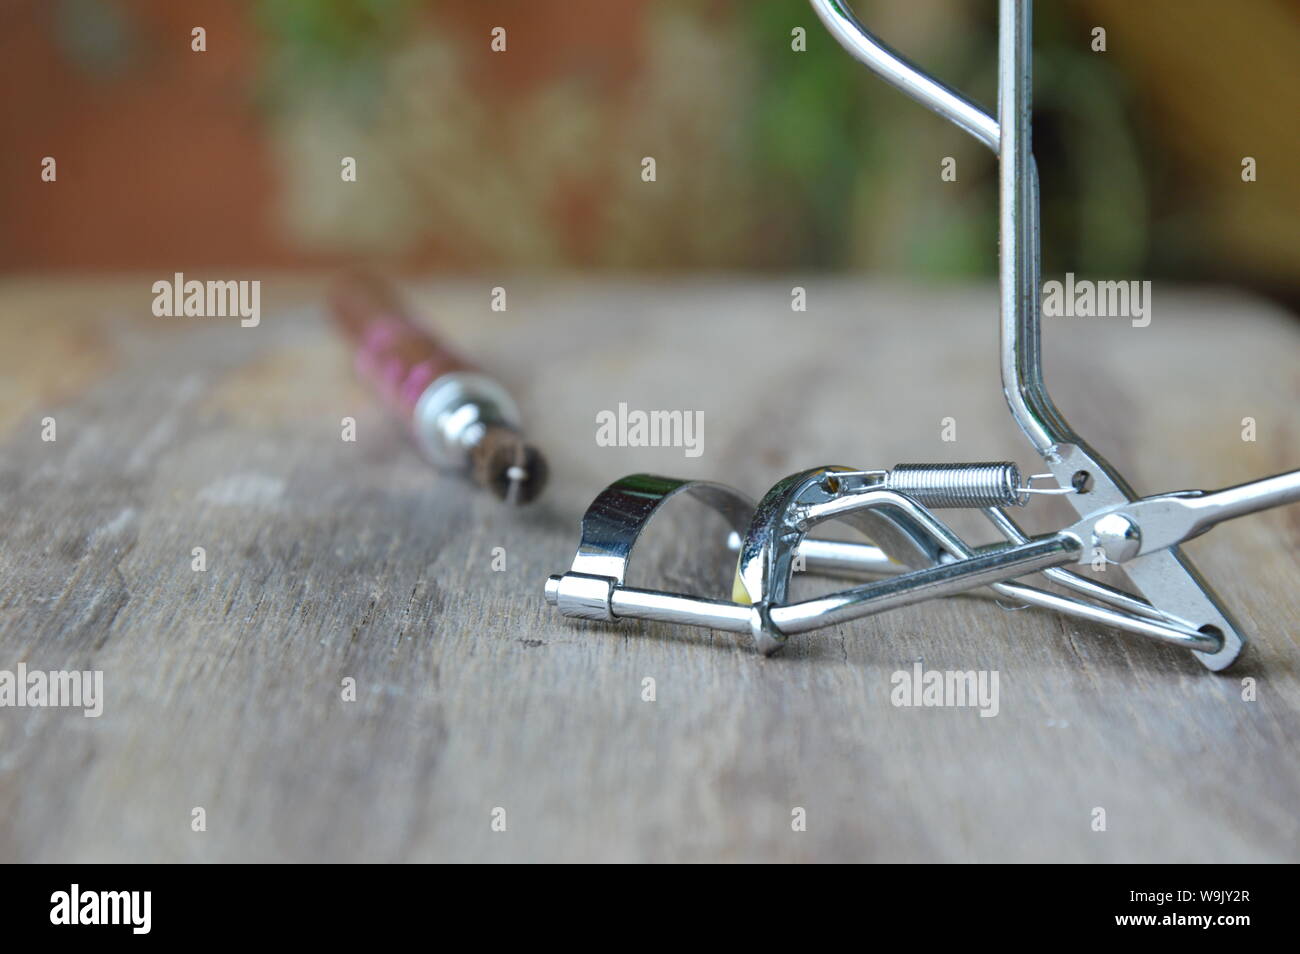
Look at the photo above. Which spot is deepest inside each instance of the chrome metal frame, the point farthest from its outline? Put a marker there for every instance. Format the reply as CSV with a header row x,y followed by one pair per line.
x,y
917,555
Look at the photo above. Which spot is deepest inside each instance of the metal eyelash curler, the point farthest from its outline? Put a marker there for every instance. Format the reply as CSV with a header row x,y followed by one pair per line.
x,y
913,555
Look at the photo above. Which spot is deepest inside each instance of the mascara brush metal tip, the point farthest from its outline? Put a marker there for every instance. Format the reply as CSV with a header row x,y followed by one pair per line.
x,y
512,470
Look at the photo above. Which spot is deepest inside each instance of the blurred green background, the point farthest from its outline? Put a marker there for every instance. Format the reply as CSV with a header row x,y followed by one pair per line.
x,y
469,159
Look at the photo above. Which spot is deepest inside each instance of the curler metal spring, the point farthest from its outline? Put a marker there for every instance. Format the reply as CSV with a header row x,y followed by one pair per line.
x,y
983,484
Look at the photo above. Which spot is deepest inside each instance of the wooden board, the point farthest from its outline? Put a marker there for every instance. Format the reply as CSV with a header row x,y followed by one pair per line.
x,y
327,560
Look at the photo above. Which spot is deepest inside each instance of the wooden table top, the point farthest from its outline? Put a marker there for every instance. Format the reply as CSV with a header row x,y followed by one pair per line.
x,y
327,560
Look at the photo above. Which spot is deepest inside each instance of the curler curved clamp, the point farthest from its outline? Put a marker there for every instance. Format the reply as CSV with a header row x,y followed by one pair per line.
x,y
595,586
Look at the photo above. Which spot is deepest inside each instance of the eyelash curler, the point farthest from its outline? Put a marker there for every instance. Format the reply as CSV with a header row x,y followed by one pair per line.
x,y
913,555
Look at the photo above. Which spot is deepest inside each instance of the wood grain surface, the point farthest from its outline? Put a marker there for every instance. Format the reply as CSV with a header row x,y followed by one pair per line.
x,y
328,560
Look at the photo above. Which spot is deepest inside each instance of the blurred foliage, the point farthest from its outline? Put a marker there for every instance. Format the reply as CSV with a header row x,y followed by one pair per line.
x,y
340,45
1096,199
819,137
841,171
808,136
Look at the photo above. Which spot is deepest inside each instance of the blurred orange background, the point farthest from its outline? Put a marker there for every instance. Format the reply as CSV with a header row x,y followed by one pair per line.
x,y
767,158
